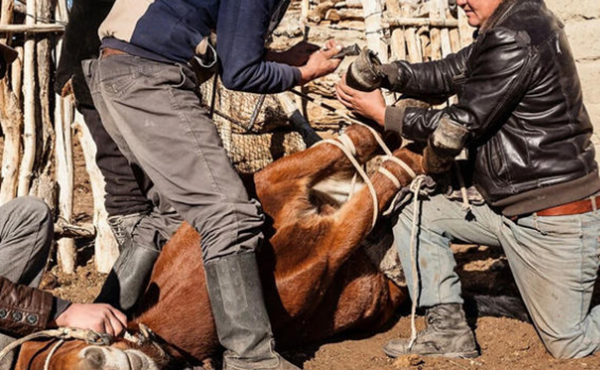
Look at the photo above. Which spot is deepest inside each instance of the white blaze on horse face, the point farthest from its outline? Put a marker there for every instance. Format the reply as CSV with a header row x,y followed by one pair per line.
x,y
107,358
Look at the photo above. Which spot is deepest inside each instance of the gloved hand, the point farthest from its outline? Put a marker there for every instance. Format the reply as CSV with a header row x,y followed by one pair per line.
x,y
444,144
365,72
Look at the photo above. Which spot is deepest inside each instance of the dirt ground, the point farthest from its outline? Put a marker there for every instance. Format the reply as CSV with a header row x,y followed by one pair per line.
x,y
505,343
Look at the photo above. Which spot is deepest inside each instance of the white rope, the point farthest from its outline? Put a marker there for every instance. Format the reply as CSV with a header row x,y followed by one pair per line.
x,y
345,139
89,336
466,206
415,187
346,145
390,176
361,172
52,352
402,164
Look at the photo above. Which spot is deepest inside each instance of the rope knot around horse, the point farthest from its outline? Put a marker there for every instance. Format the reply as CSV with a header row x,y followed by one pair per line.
x,y
91,337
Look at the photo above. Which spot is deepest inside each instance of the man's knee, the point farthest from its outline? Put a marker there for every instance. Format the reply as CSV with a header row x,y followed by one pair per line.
x,y
230,229
567,346
29,211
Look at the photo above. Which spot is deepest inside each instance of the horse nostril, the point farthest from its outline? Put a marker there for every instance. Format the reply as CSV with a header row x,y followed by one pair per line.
x,y
95,358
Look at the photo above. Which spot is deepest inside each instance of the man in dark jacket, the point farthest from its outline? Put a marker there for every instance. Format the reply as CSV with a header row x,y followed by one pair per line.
x,y
141,220
146,94
520,113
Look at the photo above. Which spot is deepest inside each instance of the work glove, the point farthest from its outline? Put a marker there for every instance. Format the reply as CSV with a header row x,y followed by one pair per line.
x,y
365,72
444,144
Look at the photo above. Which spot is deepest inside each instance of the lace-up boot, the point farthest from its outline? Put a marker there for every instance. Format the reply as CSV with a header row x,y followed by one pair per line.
x,y
447,334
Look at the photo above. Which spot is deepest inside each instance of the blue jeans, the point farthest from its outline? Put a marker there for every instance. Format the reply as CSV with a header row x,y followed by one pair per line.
x,y
554,261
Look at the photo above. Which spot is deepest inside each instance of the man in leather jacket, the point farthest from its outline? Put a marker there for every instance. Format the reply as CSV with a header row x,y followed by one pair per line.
x,y
26,232
521,115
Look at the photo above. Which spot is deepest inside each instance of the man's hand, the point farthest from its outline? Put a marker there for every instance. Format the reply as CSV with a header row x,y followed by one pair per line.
x,y
370,105
99,317
320,63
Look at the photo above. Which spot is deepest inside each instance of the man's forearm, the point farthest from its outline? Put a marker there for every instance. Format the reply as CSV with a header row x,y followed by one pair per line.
x,y
24,310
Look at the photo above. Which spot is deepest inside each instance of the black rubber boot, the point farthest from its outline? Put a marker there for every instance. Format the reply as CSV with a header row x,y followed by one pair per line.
x,y
447,334
241,318
129,276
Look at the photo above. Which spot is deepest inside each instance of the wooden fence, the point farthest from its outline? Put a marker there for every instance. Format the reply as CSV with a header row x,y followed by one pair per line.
x,y
38,127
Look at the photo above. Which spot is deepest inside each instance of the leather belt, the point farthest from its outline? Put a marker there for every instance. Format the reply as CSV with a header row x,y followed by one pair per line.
x,y
106,52
573,208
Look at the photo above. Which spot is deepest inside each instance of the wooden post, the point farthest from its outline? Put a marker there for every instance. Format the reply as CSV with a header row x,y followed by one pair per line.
x,y
29,127
64,179
373,10
434,32
44,184
11,119
466,31
410,35
398,43
105,246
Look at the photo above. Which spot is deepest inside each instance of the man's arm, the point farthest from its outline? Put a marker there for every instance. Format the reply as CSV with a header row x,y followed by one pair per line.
x,y
241,31
437,78
25,310
495,85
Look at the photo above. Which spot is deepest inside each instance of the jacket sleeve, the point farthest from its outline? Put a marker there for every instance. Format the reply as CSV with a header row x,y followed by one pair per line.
x,y
437,78
24,310
241,32
490,91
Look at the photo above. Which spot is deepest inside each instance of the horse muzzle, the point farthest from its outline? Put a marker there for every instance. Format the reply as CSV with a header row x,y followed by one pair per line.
x,y
107,358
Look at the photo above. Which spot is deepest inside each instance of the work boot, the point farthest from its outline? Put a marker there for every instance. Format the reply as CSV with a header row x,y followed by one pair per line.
x,y
129,276
243,325
447,334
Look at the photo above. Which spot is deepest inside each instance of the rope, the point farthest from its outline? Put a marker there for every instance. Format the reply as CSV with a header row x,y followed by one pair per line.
x,y
89,336
52,352
361,172
466,206
415,187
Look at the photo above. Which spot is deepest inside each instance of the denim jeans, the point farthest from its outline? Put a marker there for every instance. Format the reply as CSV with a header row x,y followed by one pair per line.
x,y
554,260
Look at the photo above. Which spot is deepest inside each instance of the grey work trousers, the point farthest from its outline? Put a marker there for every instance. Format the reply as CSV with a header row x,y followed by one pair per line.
x,y
26,232
153,112
554,261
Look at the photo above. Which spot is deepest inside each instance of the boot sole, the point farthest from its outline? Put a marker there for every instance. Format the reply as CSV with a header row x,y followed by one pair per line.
x,y
471,354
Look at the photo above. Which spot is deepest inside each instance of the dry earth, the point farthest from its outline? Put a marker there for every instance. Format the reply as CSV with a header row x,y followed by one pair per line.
x,y
505,343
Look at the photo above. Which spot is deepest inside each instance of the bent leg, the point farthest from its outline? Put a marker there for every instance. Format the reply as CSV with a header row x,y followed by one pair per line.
x,y
25,239
555,262
26,232
441,222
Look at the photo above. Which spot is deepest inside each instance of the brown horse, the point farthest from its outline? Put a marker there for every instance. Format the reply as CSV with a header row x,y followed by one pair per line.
x,y
317,280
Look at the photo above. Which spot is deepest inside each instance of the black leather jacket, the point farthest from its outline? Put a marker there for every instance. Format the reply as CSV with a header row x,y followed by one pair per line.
x,y
520,98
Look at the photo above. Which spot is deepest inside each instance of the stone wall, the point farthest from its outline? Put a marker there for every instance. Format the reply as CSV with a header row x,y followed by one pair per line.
x,y
582,22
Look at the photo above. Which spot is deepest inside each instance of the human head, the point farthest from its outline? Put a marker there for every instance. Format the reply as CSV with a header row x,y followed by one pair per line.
x,y
478,11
